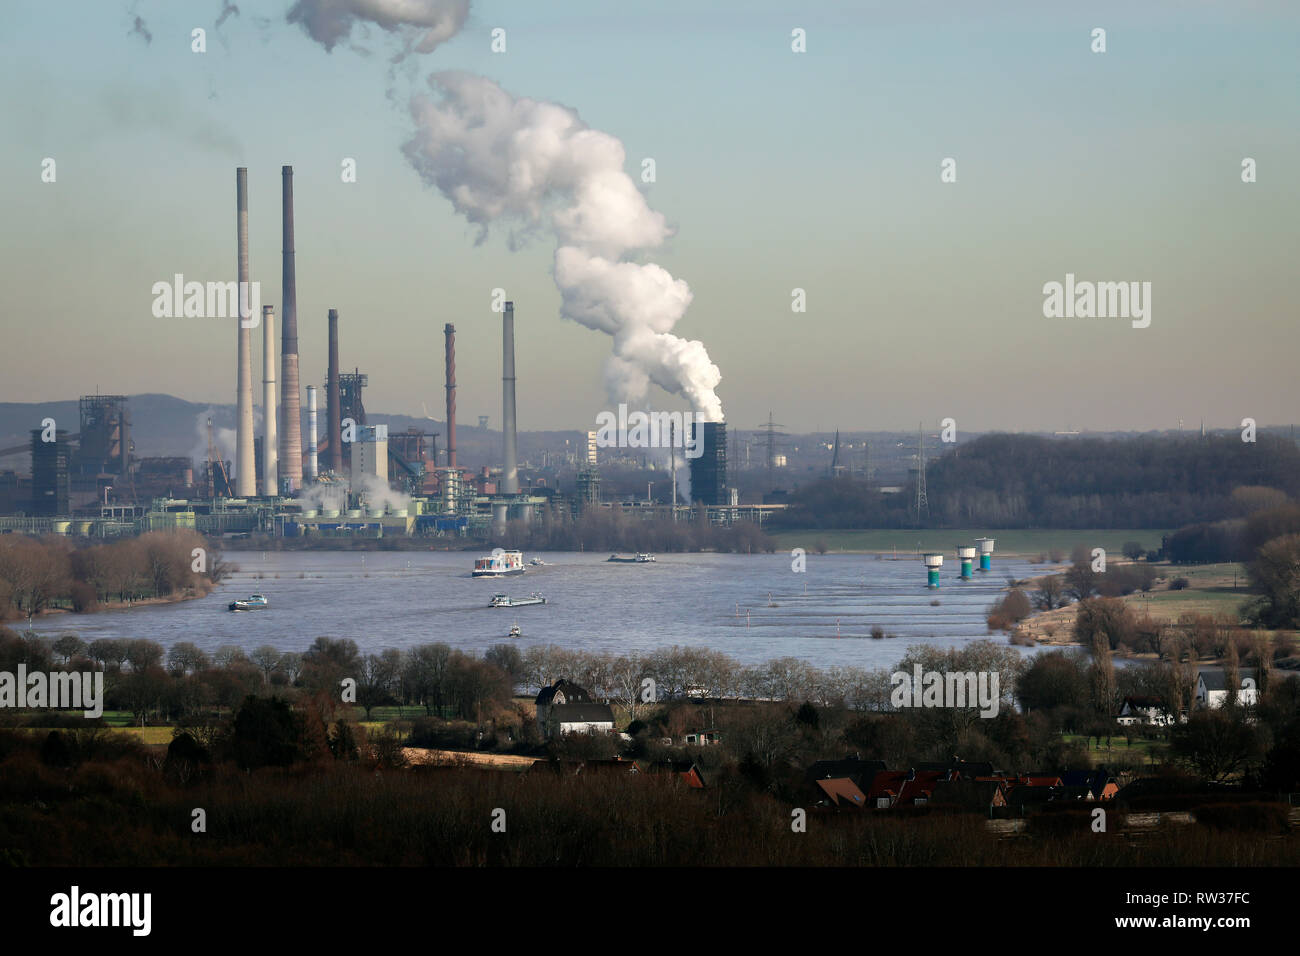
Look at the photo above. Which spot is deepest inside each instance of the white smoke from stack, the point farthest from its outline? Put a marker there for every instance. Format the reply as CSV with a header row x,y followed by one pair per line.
x,y
378,493
423,24
222,438
502,158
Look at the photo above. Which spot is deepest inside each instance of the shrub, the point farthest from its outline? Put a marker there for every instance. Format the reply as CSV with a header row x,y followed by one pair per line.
x,y
1179,584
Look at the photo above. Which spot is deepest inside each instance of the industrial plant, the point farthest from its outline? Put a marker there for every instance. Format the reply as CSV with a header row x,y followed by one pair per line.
x,y
350,477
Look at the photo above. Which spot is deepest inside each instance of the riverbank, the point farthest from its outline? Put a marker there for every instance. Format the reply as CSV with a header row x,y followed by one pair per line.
x,y
190,594
1214,590
1016,542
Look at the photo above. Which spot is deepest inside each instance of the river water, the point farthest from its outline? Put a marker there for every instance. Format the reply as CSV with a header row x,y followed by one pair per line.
x,y
751,607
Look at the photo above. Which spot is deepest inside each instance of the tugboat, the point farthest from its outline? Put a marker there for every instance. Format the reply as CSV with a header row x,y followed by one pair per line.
x,y
503,600
254,602
499,565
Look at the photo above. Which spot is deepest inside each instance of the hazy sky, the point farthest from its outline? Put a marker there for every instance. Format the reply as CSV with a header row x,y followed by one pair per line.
x,y
777,170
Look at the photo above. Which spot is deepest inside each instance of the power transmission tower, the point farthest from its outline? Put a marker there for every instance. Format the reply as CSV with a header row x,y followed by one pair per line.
x,y
772,434
922,499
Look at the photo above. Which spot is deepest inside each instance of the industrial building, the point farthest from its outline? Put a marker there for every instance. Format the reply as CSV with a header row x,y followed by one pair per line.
x,y
339,482
709,469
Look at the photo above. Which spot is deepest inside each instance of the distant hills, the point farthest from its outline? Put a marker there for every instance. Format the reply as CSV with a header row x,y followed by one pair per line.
x,y
164,425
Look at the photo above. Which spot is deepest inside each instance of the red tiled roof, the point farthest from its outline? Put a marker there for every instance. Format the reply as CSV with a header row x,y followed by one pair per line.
x,y
842,791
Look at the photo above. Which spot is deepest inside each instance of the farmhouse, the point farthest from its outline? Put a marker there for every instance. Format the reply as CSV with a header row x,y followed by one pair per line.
x,y
1143,710
1212,688
578,719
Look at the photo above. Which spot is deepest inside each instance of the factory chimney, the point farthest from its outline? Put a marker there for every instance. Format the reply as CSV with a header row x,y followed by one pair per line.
x,y
290,402
335,410
510,473
245,465
313,466
449,331
270,471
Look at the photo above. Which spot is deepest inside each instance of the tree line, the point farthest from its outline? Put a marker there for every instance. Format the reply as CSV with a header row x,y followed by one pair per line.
x,y
37,574
1029,481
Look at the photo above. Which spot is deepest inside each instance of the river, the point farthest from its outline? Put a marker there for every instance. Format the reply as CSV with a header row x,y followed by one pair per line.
x,y
751,607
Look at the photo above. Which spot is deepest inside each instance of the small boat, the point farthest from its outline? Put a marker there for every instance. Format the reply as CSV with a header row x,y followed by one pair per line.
x,y
503,600
499,564
537,563
254,602
514,631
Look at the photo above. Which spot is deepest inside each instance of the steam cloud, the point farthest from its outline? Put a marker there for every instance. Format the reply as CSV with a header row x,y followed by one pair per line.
x,y
502,158
533,164
423,23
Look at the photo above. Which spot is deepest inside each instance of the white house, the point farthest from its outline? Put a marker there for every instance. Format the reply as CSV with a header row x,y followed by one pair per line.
x,y
1212,688
1144,710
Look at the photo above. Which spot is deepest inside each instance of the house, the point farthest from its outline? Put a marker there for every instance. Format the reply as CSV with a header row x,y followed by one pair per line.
x,y
980,796
844,782
842,792
1212,688
703,738
858,770
566,694
1100,784
577,719
965,769
1024,796
904,788
1144,710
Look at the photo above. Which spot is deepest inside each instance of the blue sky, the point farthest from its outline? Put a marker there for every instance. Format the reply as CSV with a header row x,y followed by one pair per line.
x,y
778,170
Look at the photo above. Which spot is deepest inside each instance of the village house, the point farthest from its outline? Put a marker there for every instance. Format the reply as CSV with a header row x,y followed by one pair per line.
x,y
567,708
1144,710
1212,688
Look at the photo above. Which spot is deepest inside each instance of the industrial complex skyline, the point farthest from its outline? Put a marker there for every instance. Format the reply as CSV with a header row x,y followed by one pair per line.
x,y
774,171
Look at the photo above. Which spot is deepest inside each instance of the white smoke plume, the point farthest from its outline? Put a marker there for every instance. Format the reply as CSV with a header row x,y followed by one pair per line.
x,y
423,24
323,496
529,163
377,493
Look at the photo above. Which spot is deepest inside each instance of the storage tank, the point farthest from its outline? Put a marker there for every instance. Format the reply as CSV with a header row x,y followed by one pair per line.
x,y
933,562
986,553
966,555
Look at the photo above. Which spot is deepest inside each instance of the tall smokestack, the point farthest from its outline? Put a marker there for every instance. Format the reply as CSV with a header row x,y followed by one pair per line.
x,y
270,470
510,473
245,464
335,409
449,331
313,466
290,406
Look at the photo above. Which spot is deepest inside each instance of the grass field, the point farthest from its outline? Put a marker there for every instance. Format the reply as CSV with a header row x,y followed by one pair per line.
x,y
1214,589
1029,543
